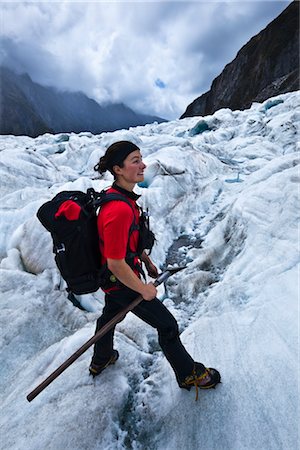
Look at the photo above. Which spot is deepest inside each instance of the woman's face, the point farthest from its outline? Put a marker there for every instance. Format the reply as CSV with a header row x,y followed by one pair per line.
x,y
132,171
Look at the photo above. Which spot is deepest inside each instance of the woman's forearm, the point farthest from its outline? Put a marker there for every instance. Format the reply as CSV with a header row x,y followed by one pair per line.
x,y
125,274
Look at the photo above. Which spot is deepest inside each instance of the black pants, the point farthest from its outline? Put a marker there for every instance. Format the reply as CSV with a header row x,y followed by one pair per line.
x,y
155,314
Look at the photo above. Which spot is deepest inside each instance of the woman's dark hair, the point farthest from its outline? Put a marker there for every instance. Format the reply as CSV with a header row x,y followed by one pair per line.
x,y
114,156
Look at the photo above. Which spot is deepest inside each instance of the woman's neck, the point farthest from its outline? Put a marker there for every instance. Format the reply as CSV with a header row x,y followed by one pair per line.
x,y
127,186
129,194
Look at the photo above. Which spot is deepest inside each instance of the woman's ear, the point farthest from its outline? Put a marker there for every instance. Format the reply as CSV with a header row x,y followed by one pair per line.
x,y
117,170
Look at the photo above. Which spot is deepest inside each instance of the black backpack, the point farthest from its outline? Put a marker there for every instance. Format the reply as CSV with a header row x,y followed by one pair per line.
x,y
76,240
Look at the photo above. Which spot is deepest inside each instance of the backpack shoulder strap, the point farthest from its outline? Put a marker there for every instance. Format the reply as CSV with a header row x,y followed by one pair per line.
x,y
112,196
103,198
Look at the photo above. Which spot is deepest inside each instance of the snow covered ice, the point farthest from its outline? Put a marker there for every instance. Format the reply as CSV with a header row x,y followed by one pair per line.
x,y
223,194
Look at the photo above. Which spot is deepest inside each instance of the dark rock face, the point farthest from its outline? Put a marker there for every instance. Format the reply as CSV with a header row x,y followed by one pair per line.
x,y
28,108
266,66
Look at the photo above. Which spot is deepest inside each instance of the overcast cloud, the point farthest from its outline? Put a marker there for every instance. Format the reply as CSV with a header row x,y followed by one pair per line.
x,y
156,57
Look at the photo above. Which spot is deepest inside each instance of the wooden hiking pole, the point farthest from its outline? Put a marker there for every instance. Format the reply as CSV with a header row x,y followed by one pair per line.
x,y
120,316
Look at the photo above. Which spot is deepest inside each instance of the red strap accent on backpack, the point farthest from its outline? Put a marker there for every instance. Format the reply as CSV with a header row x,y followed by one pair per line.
x,y
69,209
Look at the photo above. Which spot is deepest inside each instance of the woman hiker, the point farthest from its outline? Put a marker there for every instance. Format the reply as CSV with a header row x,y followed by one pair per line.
x,y
119,242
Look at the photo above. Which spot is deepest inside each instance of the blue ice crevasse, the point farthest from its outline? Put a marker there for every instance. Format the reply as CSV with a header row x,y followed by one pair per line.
x,y
150,173
62,138
270,103
199,128
234,180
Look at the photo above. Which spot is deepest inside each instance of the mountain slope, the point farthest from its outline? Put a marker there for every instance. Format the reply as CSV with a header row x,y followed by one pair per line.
x,y
266,66
28,108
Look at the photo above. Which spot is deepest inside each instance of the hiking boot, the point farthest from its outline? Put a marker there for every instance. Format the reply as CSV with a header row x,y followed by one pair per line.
x,y
96,369
201,377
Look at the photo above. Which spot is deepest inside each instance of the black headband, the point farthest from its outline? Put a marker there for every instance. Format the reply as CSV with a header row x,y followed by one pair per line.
x,y
118,157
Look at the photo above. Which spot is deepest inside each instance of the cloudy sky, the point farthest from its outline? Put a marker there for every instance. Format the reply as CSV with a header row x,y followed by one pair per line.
x,y
156,57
